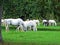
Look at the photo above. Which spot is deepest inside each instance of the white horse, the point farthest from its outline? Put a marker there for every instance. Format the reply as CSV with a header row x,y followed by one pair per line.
x,y
52,22
17,22
45,22
37,22
31,24
2,21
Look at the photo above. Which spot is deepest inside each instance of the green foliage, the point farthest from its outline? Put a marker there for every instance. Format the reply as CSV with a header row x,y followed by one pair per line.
x,y
32,9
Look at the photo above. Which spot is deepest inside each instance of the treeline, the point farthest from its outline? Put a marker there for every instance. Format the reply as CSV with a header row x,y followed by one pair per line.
x,y
32,9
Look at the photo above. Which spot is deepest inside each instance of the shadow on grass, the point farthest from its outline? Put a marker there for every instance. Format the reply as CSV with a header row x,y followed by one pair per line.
x,y
25,43
47,29
39,29
10,28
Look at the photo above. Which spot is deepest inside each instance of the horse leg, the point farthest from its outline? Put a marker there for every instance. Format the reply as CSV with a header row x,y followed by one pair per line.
x,y
34,28
30,27
7,28
49,24
55,24
17,28
44,23
21,28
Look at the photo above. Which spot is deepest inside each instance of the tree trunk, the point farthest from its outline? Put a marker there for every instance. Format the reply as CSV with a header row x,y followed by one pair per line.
x,y
0,23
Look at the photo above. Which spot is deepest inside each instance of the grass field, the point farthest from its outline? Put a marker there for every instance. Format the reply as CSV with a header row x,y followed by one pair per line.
x,y
44,36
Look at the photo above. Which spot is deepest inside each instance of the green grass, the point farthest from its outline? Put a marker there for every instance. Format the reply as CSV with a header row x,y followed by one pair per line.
x,y
48,28
41,37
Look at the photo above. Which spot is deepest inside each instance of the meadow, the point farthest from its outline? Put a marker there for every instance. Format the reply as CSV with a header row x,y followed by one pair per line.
x,y
49,35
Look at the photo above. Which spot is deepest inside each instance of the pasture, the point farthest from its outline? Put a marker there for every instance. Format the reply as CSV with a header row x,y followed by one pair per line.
x,y
49,35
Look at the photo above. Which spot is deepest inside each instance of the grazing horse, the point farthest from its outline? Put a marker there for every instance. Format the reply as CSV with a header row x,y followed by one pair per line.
x,y
17,22
45,22
52,22
37,22
31,24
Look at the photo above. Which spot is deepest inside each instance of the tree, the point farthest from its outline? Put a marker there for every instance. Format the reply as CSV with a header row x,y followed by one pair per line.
x,y
1,8
34,9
